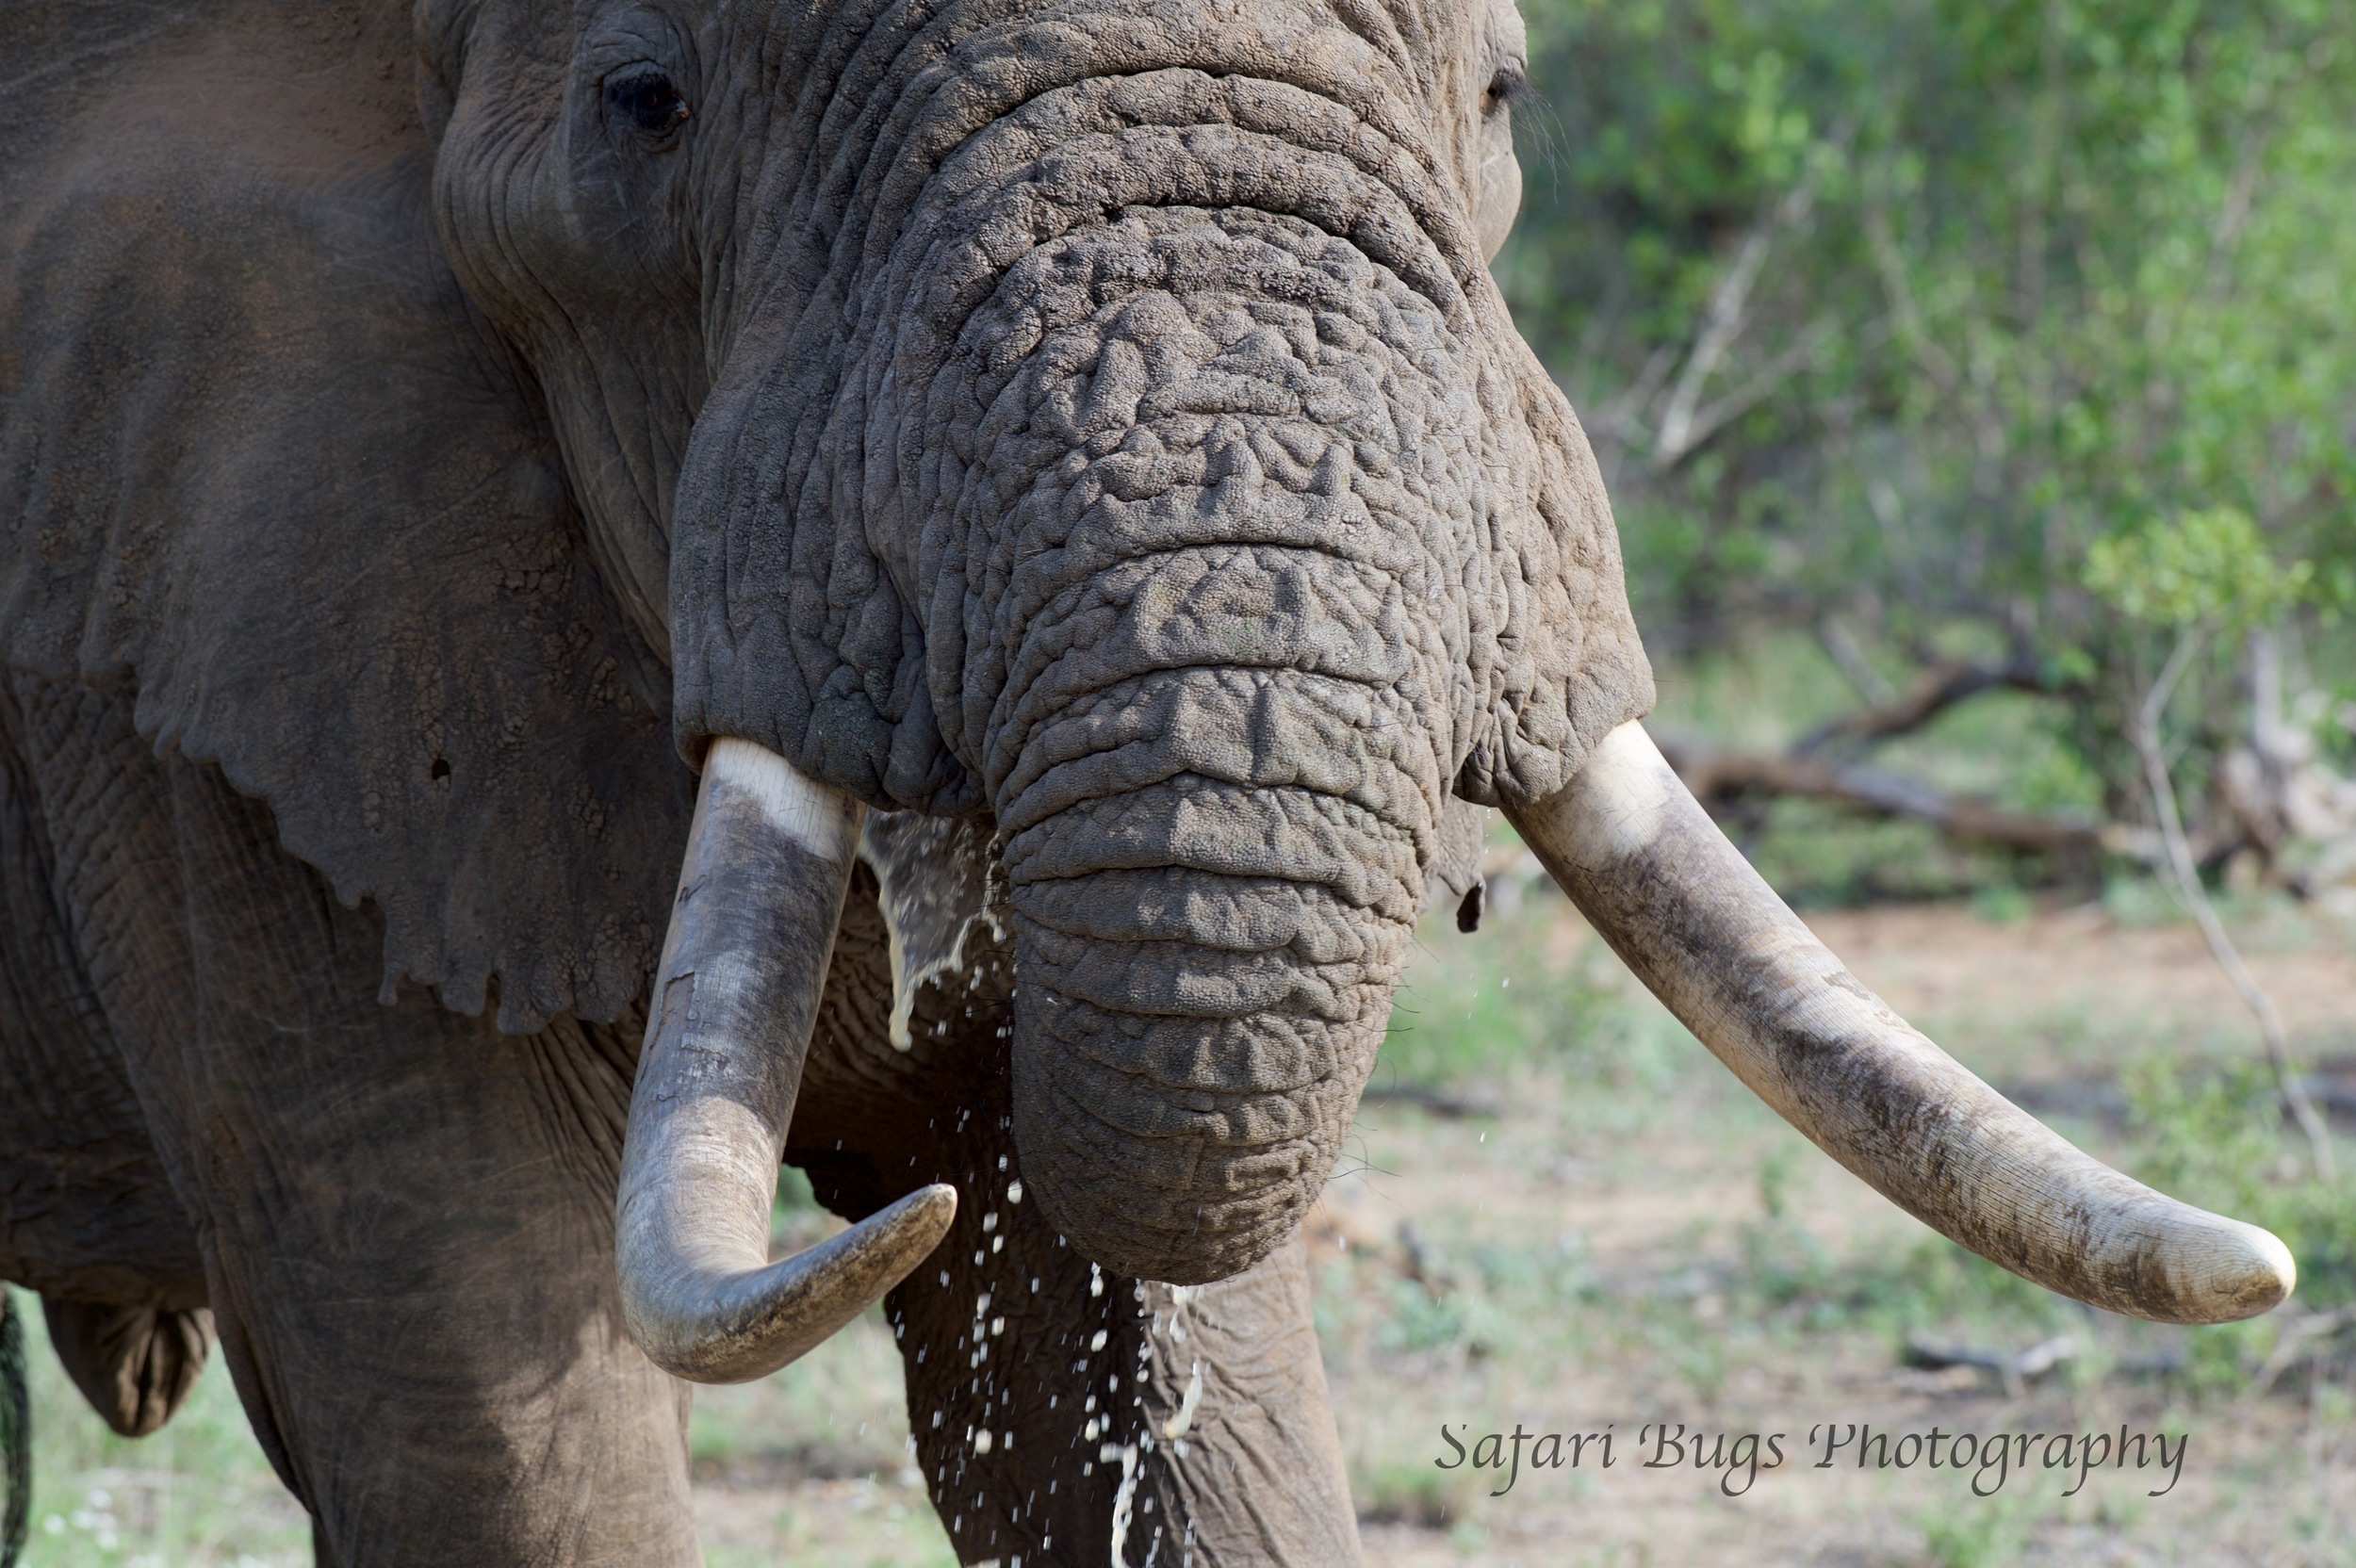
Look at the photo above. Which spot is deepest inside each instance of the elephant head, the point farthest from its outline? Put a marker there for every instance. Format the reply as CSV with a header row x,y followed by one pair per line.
x,y
1097,413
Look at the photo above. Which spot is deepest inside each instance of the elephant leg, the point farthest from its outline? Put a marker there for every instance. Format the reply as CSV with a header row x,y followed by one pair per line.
x,y
88,1215
1060,1414
1237,1449
1005,1336
1064,1416
406,1217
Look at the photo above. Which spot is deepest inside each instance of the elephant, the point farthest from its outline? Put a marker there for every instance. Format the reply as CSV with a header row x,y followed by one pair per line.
x,y
600,597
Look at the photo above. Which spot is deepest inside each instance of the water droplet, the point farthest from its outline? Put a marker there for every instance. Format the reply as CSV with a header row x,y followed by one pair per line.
x,y
989,1222
1097,1341
1014,1190
982,1442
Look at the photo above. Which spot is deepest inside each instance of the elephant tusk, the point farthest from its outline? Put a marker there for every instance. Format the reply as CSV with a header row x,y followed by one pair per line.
x,y
759,893
1652,872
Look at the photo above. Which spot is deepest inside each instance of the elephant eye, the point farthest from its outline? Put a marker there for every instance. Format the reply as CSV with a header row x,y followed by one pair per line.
x,y
648,100
1509,85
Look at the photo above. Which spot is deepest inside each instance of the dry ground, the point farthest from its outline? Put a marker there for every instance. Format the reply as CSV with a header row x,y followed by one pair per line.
x,y
1585,1225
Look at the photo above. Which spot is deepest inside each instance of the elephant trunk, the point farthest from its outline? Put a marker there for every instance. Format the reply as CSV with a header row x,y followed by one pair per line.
x,y
767,862
1689,916
1231,679
1204,963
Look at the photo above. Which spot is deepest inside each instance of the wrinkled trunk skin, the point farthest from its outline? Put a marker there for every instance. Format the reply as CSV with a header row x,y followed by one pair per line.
x,y
1221,744
1143,457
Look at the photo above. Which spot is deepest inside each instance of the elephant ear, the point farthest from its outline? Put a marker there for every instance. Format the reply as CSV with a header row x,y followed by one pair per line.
x,y
261,460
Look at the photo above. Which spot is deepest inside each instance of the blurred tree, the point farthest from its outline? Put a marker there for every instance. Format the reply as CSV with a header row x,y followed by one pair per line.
x,y
1886,315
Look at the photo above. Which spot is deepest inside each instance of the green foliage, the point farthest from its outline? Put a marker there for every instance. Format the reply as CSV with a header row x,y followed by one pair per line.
x,y
2206,567
2218,1141
2018,315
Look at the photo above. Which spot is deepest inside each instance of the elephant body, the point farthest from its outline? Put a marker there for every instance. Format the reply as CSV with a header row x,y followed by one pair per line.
x,y
401,1218
338,800
472,471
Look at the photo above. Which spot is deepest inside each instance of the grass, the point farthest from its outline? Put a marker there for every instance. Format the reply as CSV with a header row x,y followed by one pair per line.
x,y
1627,1237
199,1492
806,1466
1493,1275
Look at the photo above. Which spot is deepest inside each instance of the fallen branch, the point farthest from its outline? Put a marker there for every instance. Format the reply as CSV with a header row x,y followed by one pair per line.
x,y
1725,775
2014,1367
2297,1338
1936,690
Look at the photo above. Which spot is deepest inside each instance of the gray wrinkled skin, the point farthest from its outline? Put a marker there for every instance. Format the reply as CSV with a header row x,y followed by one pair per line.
x,y
1178,493
1083,429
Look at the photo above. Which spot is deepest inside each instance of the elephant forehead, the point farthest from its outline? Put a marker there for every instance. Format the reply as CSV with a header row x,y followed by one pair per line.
x,y
1254,293
1157,449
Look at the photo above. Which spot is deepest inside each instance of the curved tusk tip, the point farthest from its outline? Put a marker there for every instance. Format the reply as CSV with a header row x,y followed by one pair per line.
x,y
925,1215
725,1326
2269,1275
2246,1271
